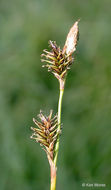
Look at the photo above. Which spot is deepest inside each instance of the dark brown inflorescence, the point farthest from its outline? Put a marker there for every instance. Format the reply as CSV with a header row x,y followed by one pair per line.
x,y
59,61
46,133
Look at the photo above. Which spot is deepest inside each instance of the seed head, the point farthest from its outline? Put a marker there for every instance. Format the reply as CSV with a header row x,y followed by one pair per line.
x,y
46,132
59,60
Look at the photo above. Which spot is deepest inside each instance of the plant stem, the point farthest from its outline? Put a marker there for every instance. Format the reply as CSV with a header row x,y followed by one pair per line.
x,y
53,176
53,163
62,83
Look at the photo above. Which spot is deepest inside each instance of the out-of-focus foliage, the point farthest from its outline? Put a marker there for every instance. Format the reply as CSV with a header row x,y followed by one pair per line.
x,y
26,87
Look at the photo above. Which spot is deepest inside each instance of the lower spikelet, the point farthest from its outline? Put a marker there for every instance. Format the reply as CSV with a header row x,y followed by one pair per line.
x,y
46,132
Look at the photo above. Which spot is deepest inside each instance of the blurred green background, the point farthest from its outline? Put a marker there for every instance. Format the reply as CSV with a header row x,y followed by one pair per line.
x,y
26,87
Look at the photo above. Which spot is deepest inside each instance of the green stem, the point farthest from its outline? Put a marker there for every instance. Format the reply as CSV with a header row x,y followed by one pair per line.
x,y
62,83
53,164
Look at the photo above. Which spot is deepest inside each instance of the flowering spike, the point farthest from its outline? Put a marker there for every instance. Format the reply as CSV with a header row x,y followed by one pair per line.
x,y
72,39
59,60
55,60
46,133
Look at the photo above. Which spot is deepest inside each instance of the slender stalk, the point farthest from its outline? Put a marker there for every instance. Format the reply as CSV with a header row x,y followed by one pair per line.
x,y
53,177
62,83
53,163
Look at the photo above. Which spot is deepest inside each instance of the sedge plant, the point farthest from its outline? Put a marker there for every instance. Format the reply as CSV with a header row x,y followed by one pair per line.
x,y
48,130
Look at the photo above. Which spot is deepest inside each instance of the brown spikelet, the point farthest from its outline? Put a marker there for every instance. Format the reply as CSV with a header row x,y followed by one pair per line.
x,y
46,133
59,61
